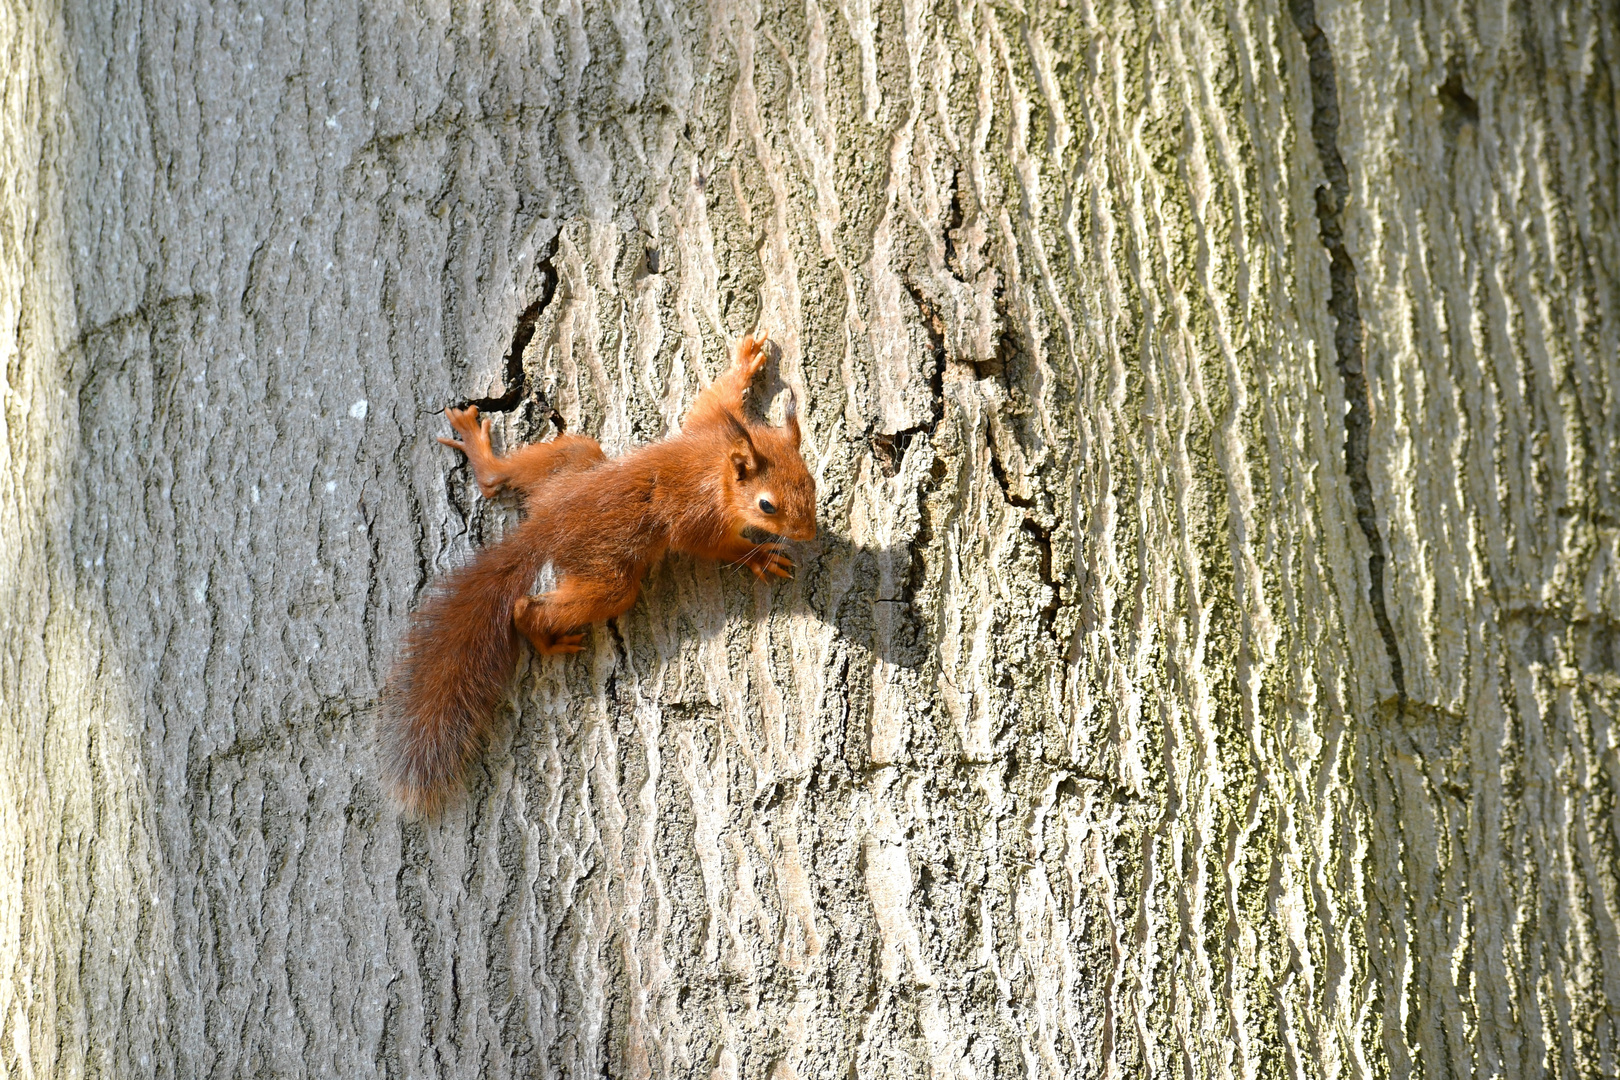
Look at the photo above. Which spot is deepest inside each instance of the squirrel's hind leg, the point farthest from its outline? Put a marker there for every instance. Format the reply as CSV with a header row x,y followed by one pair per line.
x,y
552,621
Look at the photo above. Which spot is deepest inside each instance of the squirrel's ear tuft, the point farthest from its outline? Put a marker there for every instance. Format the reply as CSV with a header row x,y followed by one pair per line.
x,y
738,431
791,423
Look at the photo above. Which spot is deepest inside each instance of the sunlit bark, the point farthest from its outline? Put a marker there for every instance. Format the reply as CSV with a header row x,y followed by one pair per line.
x,y
1208,667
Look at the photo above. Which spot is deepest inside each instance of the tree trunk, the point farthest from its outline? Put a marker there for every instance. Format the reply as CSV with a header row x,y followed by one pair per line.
x,y
1209,665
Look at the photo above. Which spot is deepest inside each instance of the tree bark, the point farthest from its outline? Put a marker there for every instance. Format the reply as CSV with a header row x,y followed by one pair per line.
x,y
1209,665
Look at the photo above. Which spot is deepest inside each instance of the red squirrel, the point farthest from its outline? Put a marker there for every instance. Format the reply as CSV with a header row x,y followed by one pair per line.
x,y
592,527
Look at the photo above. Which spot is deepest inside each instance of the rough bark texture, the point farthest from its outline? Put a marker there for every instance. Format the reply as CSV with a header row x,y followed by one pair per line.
x,y
1210,665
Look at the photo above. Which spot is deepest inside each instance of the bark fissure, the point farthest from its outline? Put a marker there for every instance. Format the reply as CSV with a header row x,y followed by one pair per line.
x,y
1345,307
515,380
889,448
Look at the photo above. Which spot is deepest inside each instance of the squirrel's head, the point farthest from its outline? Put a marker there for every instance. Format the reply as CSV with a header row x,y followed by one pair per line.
x,y
766,480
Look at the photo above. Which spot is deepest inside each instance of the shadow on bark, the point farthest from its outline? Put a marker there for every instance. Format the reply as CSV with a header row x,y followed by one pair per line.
x,y
868,594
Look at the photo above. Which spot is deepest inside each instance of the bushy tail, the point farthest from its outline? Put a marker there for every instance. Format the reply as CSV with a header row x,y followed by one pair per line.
x,y
453,670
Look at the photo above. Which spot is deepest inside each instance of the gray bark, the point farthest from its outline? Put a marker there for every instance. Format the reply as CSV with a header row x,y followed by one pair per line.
x,y
1209,665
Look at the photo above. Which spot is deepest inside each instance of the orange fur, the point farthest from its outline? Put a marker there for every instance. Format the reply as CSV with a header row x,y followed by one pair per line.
x,y
592,527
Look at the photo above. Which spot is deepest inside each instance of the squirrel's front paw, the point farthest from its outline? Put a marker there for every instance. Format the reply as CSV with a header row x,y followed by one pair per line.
x,y
768,558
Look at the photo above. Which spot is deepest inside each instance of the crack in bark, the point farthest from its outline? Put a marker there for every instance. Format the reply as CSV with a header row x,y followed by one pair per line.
x,y
998,471
1344,305
1038,531
1458,108
1032,526
516,380
953,223
1042,536
889,448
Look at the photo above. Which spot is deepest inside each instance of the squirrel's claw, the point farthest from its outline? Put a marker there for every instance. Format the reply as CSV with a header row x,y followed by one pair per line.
x,y
474,442
545,644
769,559
566,644
464,422
468,425
751,354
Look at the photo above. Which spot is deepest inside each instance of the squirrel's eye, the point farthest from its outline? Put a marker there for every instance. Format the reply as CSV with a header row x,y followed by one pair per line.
x,y
767,506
